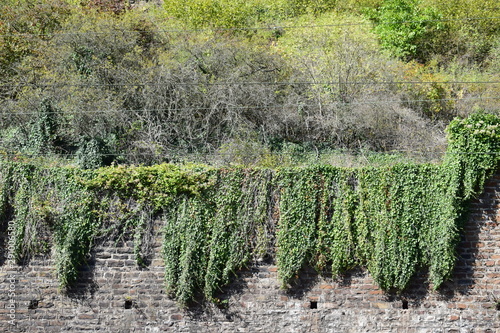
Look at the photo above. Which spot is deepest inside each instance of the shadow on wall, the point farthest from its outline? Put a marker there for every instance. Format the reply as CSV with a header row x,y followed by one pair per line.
x,y
85,286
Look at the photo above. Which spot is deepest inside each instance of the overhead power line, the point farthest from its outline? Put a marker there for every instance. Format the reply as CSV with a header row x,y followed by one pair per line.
x,y
269,27
354,152
278,83
273,106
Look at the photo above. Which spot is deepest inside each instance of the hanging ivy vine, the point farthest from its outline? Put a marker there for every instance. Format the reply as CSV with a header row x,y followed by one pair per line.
x,y
209,236
299,193
48,206
392,220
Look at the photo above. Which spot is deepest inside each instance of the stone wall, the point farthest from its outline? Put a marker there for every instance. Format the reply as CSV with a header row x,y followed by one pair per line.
x,y
114,295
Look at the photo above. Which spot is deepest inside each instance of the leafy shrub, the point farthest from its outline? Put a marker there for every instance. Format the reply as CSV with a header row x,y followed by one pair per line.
x,y
114,6
90,154
471,30
407,29
432,99
25,26
243,14
218,13
43,134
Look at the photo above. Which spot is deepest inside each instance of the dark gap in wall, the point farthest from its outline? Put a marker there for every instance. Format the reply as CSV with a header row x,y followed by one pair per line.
x,y
6,217
128,304
33,304
405,305
497,306
313,305
84,286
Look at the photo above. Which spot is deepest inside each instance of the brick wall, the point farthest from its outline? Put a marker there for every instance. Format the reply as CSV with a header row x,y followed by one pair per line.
x,y
114,295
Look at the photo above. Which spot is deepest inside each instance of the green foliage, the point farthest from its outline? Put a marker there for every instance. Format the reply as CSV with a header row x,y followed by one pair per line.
x,y
113,6
393,220
90,154
242,14
339,51
49,206
296,230
473,150
26,17
158,185
43,134
26,220
219,13
405,28
144,87
185,248
132,85
295,8
471,31
390,220
75,227
208,237
335,243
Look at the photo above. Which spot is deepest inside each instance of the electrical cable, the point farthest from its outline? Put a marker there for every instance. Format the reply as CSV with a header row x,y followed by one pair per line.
x,y
276,106
283,83
272,27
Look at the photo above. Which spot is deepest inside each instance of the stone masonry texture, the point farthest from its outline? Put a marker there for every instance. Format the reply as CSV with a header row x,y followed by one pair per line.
x,y
114,295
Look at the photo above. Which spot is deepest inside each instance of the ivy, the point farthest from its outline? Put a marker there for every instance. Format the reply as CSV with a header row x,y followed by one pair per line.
x,y
473,150
215,233
193,250
158,185
392,220
296,230
336,233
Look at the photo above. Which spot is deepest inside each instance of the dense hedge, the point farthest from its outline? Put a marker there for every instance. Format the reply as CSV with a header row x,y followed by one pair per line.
x,y
392,220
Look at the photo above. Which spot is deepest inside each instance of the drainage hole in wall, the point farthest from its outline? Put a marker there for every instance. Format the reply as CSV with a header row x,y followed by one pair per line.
x,y
128,304
405,305
33,304
313,305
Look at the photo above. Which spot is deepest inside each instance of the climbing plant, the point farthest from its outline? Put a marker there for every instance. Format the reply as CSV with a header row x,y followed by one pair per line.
x,y
47,205
392,220
210,235
299,193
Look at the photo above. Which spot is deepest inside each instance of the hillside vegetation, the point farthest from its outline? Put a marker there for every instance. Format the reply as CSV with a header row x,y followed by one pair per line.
x,y
257,82
96,95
